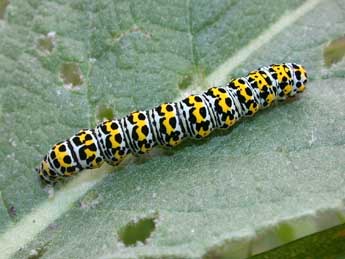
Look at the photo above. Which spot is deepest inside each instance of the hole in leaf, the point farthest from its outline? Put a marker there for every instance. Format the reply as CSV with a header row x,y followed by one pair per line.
x,y
3,5
185,82
47,43
12,211
90,200
104,112
334,52
38,252
194,77
137,231
71,75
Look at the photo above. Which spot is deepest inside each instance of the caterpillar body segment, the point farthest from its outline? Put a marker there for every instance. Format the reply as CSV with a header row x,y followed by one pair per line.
x,y
168,124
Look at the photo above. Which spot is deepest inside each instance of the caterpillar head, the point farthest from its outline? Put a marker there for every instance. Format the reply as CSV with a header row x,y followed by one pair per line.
x,y
58,163
291,79
300,77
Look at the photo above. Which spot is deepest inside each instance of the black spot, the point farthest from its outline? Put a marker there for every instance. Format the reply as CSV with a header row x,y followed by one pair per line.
x,y
192,118
162,127
145,130
90,159
77,141
232,85
241,99
210,92
134,133
118,138
62,148
298,84
67,159
268,81
217,107
70,169
241,81
298,75
169,108
248,91
284,78
287,69
206,125
283,85
92,147
203,112
104,128
141,116
197,99
254,84
130,118
98,160
108,142
263,95
88,137
114,126
158,109
52,155
121,152
221,90
56,163
82,154
172,122
228,101
176,138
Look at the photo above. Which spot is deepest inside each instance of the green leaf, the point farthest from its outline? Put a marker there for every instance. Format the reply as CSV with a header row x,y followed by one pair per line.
x,y
326,244
271,179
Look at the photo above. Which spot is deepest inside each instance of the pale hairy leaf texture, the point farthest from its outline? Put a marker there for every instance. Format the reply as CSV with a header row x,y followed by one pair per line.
x,y
271,179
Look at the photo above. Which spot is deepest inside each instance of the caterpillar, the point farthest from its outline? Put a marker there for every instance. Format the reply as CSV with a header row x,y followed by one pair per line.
x,y
168,124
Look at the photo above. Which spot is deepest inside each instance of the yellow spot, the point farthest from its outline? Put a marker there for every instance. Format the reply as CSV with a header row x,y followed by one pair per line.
x,y
287,89
167,116
141,135
222,102
270,98
242,88
60,155
197,114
